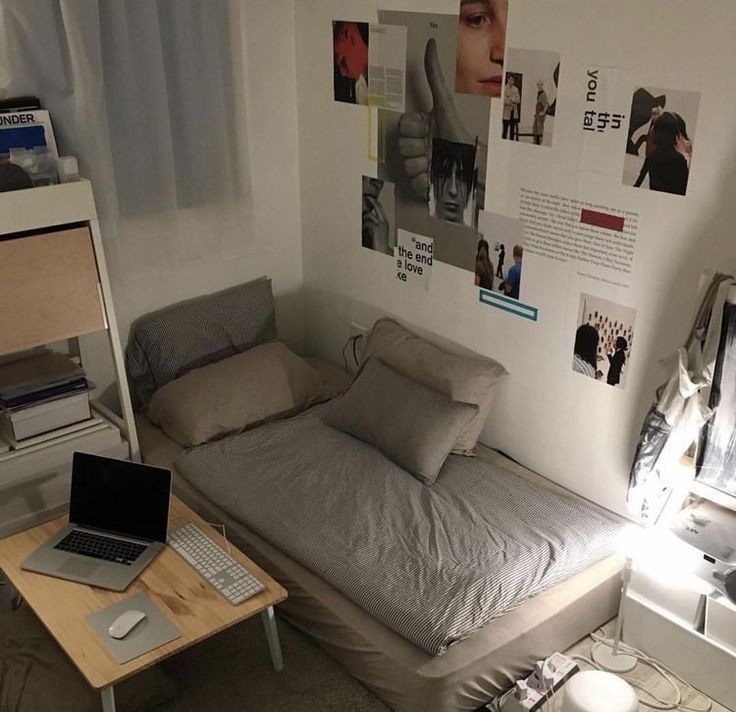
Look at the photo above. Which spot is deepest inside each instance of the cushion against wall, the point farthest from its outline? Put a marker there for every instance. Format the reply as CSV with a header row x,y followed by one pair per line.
x,y
264,383
411,424
36,674
469,379
168,343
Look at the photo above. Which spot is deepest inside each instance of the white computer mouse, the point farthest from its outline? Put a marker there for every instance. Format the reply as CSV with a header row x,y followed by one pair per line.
x,y
124,623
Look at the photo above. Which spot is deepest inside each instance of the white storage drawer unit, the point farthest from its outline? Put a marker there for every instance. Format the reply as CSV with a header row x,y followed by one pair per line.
x,y
704,662
54,287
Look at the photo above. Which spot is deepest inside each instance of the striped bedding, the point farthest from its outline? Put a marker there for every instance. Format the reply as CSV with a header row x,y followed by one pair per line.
x,y
434,564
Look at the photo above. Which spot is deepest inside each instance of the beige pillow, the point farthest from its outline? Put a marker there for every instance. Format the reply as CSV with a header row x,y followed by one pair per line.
x,y
264,383
412,425
468,379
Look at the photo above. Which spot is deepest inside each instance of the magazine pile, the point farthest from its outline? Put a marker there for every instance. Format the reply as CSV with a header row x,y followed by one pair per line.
x,y
41,394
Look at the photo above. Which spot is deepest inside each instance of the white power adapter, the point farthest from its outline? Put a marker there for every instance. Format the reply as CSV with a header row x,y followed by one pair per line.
x,y
532,692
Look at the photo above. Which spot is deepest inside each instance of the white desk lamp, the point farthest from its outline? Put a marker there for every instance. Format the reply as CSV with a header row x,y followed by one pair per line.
x,y
609,657
658,552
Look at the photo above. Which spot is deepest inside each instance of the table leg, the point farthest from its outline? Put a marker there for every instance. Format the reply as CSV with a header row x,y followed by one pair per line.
x,y
272,636
15,598
108,699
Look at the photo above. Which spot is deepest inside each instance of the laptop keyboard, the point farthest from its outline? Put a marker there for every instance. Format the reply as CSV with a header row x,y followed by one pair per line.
x,y
101,547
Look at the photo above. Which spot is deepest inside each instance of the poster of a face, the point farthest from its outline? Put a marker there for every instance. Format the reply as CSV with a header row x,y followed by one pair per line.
x,y
659,145
481,43
529,116
350,61
603,340
452,182
433,111
378,229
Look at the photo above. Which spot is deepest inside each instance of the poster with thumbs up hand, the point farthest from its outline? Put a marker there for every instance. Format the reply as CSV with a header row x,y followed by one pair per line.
x,y
435,111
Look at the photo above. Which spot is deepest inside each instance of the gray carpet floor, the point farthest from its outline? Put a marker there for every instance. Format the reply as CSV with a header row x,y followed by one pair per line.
x,y
232,671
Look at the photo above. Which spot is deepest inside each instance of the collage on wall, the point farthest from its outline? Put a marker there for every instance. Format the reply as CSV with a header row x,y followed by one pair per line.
x,y
434,81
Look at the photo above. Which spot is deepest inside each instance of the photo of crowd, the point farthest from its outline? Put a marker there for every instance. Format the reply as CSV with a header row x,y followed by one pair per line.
x,y
603,340
509,281
659,146
499,254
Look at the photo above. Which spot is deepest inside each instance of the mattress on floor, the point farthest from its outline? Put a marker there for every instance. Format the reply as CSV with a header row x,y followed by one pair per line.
x,y
404,676
434,564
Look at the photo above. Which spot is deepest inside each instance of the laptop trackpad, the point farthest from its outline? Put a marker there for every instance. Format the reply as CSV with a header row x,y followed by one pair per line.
x,y
78,567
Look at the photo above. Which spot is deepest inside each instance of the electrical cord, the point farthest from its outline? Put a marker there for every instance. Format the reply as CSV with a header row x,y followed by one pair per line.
x,y
662,669
221,527
658,703
667,705
352,341
356,339
663,704
498,701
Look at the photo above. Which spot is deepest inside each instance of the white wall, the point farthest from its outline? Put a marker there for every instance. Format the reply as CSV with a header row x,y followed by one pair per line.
x,y
579,432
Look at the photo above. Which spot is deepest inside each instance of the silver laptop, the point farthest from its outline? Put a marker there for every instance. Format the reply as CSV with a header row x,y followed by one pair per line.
x,y
118,521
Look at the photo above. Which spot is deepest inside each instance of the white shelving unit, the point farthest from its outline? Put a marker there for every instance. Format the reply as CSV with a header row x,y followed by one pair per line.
x,y
54,287
701,660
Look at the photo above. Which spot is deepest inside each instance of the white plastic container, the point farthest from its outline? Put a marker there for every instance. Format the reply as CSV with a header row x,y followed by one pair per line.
x,y
720,620
681,600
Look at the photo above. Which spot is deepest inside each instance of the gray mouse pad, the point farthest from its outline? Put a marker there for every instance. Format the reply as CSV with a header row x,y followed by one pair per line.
x,y
156,629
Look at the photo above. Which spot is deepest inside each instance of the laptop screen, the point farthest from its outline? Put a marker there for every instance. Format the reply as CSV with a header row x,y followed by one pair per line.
x,y
120,496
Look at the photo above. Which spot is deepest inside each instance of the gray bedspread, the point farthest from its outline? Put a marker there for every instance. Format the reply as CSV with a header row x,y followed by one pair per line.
x,y
433,563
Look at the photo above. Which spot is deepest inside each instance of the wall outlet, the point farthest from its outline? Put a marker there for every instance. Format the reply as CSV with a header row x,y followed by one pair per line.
x,y
357,330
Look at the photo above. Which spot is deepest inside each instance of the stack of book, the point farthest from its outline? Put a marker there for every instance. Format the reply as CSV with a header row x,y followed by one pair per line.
x,y
41,394
28,151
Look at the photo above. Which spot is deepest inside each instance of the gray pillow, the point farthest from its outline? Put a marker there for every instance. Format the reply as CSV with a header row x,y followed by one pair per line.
x,y
469,378
411,424
170,342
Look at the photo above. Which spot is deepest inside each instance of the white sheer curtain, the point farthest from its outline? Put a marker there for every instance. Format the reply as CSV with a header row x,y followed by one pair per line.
x,y
149,95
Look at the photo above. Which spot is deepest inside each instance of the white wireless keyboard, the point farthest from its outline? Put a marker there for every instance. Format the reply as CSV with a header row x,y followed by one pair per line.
x,y
229,577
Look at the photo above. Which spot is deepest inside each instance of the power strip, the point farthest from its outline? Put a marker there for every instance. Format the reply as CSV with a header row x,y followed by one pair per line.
x,y
530,694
